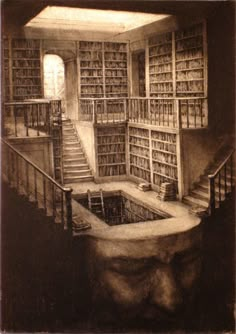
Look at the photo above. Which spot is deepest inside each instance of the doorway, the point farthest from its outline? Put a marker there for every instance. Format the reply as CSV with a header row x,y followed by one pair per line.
x,y
138,73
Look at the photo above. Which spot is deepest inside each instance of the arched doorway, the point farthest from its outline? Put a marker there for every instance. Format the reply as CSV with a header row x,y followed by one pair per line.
x,y
54,78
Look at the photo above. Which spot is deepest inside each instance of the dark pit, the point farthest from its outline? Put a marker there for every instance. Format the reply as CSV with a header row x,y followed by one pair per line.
x,y
121,208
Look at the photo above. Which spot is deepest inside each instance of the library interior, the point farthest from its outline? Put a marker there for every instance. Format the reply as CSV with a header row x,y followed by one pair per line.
x,y
118,166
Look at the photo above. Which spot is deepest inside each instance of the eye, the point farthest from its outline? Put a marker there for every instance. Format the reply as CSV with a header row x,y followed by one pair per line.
x,y
130,266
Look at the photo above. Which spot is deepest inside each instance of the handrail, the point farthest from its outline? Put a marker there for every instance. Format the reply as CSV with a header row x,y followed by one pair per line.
x,y
65,189
210,176
142,98
30,102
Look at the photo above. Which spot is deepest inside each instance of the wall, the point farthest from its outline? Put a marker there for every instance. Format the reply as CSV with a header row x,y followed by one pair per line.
x,y
86,134
38,150
198,149
71,89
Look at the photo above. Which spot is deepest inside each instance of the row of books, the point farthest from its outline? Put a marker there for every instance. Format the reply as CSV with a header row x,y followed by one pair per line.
x,y
161,87
139,141
26,63
118,148
192,53
189,64
163,146
92,89
160,39
117,81
161,77
112,170
162,49
24,73
142,162
186,75
159,180
116,73
116,138
164,136
115,56
116,88
111,158
165,170
164,157
140,173
191,42
117,64
191,86
138,132
26,53
189,32
111,130
26,90
143,152
25,43
90,55
92,64
27,81
119,47
160,68
92,81
90,72
90,45
142,213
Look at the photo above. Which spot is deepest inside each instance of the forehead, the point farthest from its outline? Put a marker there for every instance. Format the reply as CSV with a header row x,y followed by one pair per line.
x,y
160,247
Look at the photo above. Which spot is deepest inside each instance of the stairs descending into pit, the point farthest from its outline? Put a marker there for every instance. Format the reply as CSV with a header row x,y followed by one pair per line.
x,y
199,196
75,164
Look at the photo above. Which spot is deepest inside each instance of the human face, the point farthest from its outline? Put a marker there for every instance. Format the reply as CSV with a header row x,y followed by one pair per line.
x,y
150,277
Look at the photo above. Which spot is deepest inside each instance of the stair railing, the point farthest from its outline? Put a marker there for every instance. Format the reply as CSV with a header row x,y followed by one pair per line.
x,y
221,182
31,181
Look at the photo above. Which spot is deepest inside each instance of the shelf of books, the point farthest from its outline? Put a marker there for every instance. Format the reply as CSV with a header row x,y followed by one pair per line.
x,y
115,62
139,153
164,158
177,63
7,65
189,58
111,150
103,69
160,65
26,69
91,69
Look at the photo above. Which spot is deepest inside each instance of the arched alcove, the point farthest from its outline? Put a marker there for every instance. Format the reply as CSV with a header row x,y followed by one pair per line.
x,y
54,77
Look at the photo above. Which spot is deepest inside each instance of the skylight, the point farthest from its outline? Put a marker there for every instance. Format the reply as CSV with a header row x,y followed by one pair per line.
x,y
83,19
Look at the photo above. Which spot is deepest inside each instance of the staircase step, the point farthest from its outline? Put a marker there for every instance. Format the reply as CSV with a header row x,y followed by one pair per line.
x,y
77,172
195,201
200,194
74,162
68,168
73,155
71,143
72,179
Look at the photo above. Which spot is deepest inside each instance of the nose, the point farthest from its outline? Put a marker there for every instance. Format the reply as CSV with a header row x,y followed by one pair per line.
x,y
165,292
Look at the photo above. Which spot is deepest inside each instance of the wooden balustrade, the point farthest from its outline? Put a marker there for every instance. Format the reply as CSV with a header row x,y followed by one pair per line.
x,y
32,182
221,182
164,112
31,118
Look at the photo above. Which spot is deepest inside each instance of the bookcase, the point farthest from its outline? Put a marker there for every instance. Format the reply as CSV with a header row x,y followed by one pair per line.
x,y
103,69
6,66
26,69
164,158
115,62
161,65
91,69
139,153
177,63
111,150
189,58
141,74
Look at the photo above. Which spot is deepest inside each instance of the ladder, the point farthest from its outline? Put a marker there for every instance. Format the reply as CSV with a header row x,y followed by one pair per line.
x,y
96,203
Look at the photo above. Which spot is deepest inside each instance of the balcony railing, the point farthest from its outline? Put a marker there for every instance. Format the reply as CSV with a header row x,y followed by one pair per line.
x,y
29,180
165,112
103,110
30,118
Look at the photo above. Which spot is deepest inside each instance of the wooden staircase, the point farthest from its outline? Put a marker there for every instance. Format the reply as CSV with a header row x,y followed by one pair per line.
x,y
75,165
223,170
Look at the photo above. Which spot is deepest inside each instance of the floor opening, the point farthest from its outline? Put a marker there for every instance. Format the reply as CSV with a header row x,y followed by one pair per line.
x,y
122,209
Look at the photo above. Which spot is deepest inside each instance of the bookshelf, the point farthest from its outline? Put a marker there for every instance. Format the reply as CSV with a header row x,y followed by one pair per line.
x,y
91,69
103,69
26,69
160,65
139,155
177,63
189,58
115,69
164,158
7,66
111,150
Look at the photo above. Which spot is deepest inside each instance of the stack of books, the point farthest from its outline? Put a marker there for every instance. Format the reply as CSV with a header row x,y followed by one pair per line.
x,y
167,192
144,186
